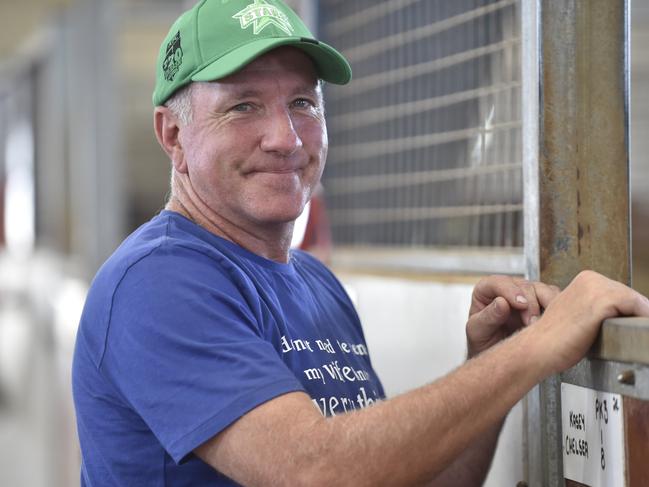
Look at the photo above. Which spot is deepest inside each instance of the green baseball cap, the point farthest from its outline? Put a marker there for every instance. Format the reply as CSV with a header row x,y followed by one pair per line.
x,y
218,37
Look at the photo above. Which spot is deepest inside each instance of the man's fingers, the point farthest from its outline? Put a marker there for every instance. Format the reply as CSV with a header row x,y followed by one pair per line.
x,y
491,287
540,295
642,307
632,303
543,296
492,317
545,293
498,311
529,298
609,298
533,309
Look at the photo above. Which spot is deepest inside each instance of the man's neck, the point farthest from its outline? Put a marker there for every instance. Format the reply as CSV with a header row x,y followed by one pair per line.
x,y
272,243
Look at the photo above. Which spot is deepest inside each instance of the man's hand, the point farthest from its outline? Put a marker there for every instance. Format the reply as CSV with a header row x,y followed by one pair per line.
x,y
571,322
500,305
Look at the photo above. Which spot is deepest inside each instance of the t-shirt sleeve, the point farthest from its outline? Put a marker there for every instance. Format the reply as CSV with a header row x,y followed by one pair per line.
x,y
185,350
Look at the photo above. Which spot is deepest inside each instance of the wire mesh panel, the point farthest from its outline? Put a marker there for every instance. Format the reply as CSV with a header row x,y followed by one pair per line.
x,y
425,143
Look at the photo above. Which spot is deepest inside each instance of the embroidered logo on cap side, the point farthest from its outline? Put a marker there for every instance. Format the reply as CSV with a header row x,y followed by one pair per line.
x,y
261,14
173,59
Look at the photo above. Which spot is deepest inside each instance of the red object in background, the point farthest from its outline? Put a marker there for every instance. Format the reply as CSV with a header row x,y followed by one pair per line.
x,y
317,236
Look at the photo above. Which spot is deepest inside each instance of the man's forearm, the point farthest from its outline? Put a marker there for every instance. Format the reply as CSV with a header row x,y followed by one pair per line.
x,y
407,440
414,437
472,466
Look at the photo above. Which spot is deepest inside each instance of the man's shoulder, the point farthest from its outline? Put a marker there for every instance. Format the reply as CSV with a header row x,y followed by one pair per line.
x,y
165,244
164,262
158,253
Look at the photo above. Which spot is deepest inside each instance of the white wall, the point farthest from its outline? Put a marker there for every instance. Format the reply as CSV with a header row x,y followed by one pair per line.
x,y
415,333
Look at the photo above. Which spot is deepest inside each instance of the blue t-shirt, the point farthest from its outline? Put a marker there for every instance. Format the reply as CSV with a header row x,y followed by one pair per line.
x,y
184,332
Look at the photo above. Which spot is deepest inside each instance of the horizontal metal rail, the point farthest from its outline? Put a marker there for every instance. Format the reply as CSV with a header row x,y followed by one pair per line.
x,y
381,182
419,261
343,153
370,216
404,73
623,340
368,15
362,118
364,51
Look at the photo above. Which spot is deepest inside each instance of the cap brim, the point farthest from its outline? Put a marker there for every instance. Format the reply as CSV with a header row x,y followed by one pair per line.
x,y
330,65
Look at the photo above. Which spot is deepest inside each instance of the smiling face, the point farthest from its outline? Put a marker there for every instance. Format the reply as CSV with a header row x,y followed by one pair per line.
x,y
257,143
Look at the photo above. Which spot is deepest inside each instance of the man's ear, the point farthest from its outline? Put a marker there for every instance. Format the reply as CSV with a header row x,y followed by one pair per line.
x,y
167,130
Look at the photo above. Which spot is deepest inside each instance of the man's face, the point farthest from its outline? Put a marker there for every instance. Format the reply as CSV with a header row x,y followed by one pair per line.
x,y
257,144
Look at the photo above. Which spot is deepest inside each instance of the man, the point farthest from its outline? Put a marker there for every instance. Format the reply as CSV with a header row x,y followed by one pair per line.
x,y
210,354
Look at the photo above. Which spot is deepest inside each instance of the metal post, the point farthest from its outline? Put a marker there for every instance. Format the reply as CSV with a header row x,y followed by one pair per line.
x,y
96,199
577,172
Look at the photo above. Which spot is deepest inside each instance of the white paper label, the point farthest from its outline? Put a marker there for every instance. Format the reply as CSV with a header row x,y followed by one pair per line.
x,y
593,437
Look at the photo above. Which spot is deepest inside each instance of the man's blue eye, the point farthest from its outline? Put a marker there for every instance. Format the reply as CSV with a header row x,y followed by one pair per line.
x,y
242,107
302,103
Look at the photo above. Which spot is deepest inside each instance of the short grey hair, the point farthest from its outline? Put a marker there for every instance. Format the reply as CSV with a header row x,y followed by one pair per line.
x,y
180,104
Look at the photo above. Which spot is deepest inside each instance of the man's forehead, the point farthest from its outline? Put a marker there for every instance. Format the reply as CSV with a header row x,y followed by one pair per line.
x,y
247,90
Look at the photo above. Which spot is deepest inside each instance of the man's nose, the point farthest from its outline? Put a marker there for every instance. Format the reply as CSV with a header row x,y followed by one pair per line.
x,y
280,135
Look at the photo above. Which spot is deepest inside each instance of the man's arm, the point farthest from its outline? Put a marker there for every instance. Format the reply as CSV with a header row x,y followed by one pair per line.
x,y
407,440
472,466
500,306
412,438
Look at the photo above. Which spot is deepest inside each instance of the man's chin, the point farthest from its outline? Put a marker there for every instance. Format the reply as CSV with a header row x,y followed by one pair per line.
x,y
280,216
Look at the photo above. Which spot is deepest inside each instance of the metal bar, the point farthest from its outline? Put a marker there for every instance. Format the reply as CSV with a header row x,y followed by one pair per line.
x,y
584,146
386,78
365,16
530,63
362,118
359,150
623,340
379,46
355,184
482,260
606,375
96,201
583,174
382,215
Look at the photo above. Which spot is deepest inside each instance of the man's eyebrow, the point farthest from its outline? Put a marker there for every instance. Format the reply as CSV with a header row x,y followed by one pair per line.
x,y
308,89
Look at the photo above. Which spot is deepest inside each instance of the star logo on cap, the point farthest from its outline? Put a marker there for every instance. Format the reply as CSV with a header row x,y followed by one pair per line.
x,y
262,14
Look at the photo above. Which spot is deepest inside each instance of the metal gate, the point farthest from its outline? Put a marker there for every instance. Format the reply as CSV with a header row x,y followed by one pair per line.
x,y
589,425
